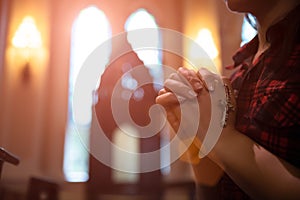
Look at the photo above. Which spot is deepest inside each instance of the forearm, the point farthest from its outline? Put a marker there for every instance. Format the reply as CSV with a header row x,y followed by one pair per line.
x,y
206,172
258,172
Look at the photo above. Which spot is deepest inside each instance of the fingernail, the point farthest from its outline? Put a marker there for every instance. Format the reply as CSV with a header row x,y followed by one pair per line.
x,y
198,86
211,86
181,99
192,93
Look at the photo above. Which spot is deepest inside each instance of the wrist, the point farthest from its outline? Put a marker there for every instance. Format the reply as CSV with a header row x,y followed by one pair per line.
x,y
217,153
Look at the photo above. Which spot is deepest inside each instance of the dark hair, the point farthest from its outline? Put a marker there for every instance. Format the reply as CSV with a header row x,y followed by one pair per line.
x,y
251,20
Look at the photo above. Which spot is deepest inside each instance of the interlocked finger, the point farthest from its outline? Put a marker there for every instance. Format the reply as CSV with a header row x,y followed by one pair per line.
x,y
193,79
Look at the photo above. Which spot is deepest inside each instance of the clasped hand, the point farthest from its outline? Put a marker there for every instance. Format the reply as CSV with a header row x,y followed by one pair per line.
x,y
187,92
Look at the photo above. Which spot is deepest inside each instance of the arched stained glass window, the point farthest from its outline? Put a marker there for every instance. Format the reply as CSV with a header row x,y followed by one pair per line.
x,y
151,57
130,144
89,30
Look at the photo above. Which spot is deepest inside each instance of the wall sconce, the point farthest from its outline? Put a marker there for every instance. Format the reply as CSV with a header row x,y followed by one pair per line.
x,y
26,40
206,41
204,52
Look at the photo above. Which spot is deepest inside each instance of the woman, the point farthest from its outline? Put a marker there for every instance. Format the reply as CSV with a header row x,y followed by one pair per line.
x,y
259,148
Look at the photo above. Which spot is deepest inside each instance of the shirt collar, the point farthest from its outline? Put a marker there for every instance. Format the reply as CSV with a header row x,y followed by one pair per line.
x,y
274,35
245,52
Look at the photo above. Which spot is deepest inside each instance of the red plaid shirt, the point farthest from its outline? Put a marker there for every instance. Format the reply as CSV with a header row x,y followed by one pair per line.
x,y
268,96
